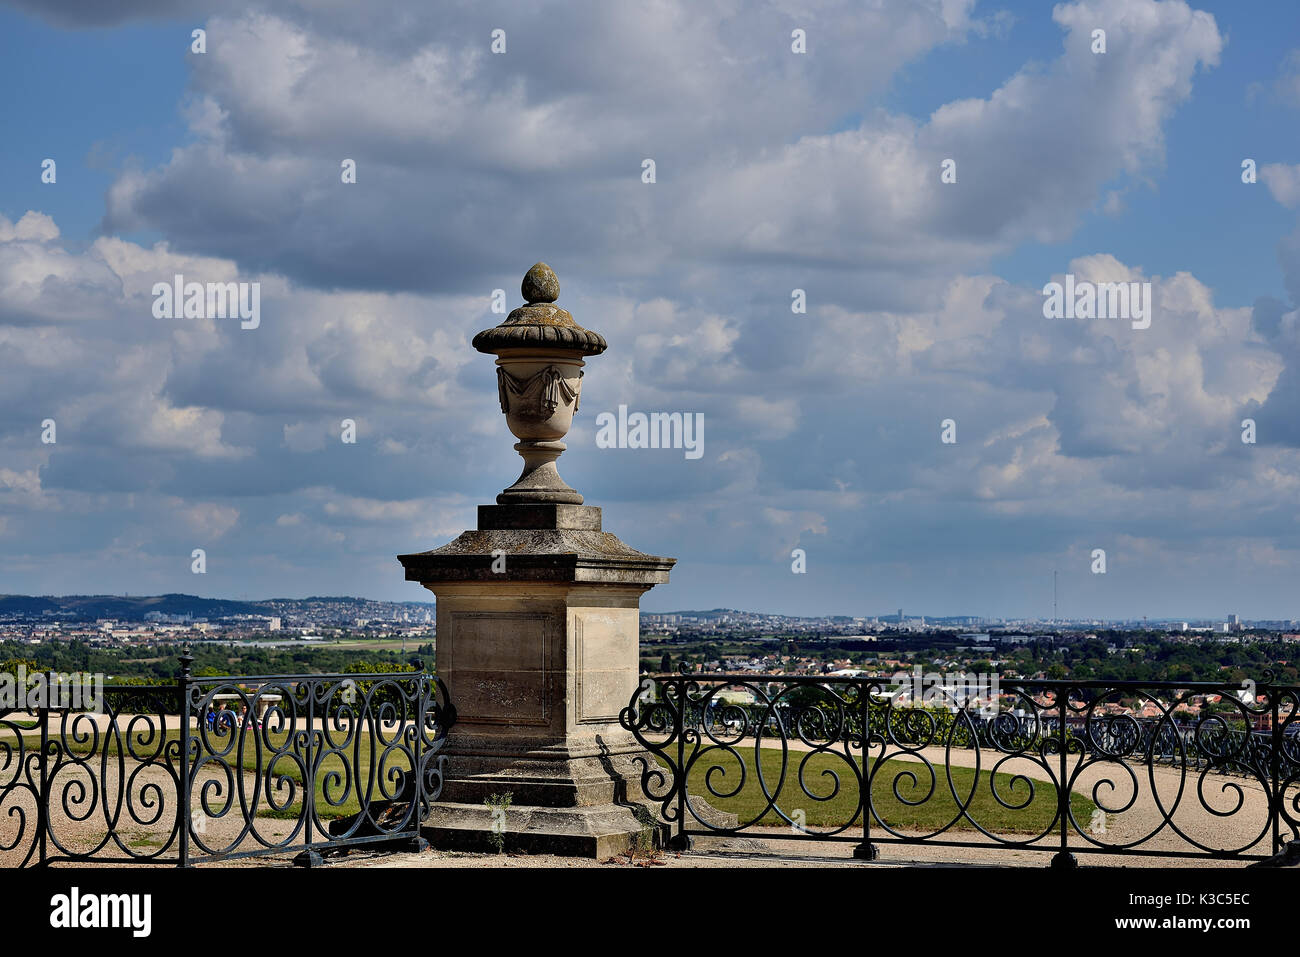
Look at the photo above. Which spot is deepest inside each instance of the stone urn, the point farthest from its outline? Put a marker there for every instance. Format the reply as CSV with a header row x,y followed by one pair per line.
x,y
539,350
539,630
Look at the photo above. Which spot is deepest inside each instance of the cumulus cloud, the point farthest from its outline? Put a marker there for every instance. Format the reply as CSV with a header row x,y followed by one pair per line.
x,y
586,91
1287,83
281,99
1030,158
1283,182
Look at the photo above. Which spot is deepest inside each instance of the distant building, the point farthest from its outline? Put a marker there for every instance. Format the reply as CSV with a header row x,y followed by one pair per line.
x,y
273,624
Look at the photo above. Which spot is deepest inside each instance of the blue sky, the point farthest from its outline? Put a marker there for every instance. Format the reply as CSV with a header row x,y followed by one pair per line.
x,y
775,172
100,98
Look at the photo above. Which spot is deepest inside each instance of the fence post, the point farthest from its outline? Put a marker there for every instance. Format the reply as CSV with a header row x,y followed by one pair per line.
x,y
309,856
1063,859
866,851
43,798
183,797
1275,770
680,842
423,702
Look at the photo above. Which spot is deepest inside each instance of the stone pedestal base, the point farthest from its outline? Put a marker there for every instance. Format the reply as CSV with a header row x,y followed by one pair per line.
x,y
598,832
572,800
582,800
538,630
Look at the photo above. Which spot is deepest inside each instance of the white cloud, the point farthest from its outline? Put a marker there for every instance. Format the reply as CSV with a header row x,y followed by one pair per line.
x,y
1030,159
1287,83
1283,182
208,519
32,227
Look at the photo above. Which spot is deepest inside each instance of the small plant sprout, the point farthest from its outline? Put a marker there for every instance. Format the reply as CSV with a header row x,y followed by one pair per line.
x,y
497,804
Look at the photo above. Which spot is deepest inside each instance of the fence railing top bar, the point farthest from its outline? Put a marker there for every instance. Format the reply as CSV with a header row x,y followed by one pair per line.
x,y
1048,683
300,679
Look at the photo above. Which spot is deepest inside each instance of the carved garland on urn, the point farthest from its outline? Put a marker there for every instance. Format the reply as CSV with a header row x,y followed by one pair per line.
x,y
554,391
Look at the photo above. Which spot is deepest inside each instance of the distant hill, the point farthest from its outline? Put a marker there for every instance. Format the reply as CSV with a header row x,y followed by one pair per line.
x,y
26,604
129,607
135,607
719,612
712,613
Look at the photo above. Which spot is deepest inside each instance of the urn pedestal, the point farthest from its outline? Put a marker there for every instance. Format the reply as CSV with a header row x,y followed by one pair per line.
x,y
539,658
538,626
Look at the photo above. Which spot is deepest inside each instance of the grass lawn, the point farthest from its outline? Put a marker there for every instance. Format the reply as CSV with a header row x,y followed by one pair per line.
x,y
933,812
358,767
375,644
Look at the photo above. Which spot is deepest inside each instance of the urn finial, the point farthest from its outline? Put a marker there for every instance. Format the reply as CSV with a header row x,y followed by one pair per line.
x,y
540,284
539,350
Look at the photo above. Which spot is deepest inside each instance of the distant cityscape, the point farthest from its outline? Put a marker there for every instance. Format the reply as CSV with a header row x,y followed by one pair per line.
x,y
170,618
731,622
108,620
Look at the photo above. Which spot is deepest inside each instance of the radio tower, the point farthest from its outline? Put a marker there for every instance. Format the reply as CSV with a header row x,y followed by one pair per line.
x,y
1054,618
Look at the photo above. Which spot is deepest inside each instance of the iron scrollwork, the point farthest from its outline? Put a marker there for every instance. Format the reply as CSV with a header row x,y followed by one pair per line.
x,y
224,767
1153,773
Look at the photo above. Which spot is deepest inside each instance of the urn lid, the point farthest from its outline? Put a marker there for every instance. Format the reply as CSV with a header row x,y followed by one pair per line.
x,y
540,323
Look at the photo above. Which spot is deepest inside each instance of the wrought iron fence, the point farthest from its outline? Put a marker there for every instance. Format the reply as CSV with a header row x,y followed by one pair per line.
x,y
1057,766
222,767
